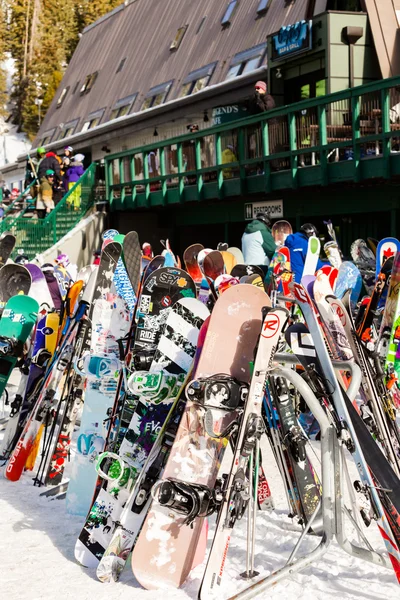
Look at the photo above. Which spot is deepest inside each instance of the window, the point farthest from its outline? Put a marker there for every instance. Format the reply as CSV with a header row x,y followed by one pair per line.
x,y
226,19
200,27
62,97
246,61
197,80
121,65
156,95
75,87
93,119
46,139
262,7
178,38
68,129
122,107
88,83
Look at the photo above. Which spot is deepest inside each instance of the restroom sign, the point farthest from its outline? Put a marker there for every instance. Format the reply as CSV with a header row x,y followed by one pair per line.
x,y
273,208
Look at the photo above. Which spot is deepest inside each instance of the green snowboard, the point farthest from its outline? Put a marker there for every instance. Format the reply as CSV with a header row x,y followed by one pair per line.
x,y
17,321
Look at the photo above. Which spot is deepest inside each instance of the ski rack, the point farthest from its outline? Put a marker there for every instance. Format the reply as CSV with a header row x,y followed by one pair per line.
x,y
331,504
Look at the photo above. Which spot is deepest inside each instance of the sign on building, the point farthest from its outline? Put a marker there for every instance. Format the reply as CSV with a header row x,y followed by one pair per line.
x,y
292,39
273,208
226,114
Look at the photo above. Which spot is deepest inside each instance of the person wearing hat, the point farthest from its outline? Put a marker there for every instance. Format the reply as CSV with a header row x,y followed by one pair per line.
x,y
261,101
50,161
44,199
298,247
258,245
72,175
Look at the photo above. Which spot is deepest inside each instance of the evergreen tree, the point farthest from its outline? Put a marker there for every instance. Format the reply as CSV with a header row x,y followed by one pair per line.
x,y
42,37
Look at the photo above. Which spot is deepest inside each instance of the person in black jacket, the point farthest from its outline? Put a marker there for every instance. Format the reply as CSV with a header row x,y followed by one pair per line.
x,y
261,100
50,161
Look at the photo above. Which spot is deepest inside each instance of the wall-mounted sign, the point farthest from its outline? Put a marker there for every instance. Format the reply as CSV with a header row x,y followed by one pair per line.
x,y
273,208
292,39
225,114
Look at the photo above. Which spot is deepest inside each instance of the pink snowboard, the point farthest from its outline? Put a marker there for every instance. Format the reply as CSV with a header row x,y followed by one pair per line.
x,y
166,549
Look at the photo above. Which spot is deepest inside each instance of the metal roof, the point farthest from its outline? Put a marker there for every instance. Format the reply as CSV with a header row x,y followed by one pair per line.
x,y
142,31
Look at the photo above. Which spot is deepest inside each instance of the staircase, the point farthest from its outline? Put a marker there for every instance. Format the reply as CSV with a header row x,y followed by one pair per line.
x,y
36,236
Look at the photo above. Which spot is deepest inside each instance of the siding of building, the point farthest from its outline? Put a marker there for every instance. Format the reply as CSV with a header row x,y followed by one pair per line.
x,y
141,32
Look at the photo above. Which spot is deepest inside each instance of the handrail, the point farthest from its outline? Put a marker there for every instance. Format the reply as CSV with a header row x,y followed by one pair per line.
x,y
382,84
352,124
36,235
20,197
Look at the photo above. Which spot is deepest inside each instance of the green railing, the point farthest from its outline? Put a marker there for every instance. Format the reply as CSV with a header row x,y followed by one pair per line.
x,y
348,136
34,236
10,212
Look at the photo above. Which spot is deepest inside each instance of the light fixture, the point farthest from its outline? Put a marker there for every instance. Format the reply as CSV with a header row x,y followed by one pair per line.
x,y
155,134
278,74
205,117
106,149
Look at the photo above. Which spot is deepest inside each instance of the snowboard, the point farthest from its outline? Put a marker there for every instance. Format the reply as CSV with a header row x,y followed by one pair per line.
x,y
16,323
43,347
131,256
365,261
229,261
238,254
110,323
168,539
15,280
312,256
280,230
387,248
39,289
190,259
161,290
63,280
172,361
7,243
349,278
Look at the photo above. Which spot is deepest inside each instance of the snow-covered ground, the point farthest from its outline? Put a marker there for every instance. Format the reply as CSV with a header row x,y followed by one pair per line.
x,y
12,144
37,539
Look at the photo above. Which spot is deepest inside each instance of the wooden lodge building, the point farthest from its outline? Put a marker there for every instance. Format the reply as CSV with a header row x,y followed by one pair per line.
x,y
158,91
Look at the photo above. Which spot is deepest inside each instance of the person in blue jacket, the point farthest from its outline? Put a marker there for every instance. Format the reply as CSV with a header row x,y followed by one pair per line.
x,y
297,243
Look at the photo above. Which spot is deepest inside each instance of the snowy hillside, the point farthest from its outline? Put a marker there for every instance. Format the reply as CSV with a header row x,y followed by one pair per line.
x,y
12,144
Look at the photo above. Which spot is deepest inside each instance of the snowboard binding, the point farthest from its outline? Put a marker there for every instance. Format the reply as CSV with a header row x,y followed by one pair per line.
x,y
190,499
142,358
219,391
10,346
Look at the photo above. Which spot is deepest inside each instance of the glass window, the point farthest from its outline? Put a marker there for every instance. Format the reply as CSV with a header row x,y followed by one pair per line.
x,y
250,65
68,129
246,61
262,7
121,65
47,136
93,119
88,83
186,90
156,95
226,19
75,87
233,71
178,38
62,97
159,99
200,84
122,107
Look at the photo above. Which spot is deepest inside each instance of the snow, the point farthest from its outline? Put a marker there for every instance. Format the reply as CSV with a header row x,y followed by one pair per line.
x,y
37,554
12,144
